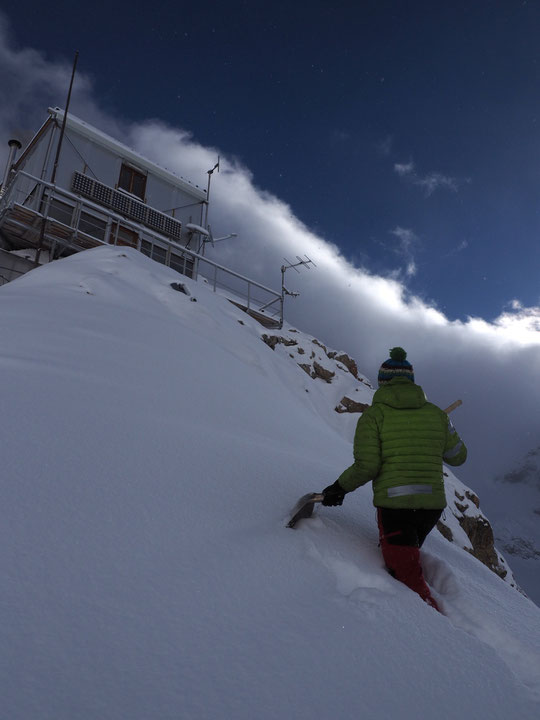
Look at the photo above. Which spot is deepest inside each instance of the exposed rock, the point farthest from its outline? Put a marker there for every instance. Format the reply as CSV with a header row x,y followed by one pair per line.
x,y
445,531
321,372
273,340
270,340
473,498
349,363
480,533
346,405
301,351
316,342
317,371
478,530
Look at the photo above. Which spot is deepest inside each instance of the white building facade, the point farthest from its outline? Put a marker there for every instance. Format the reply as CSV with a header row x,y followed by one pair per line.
x,y
74,187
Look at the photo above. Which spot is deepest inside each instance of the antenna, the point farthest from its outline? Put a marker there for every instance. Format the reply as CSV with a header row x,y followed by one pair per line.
x,y
306,263
294,265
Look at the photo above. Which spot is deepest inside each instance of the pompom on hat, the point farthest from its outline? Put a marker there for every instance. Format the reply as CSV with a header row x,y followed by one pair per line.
x,y
396,366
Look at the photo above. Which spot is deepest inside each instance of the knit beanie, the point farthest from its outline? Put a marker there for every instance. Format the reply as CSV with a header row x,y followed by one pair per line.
x,y
396,366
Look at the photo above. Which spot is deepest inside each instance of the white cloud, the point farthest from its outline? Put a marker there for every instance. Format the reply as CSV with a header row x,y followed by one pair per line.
x,y
431,182
406,236
436,180
411,268
408,240
404,169
493,366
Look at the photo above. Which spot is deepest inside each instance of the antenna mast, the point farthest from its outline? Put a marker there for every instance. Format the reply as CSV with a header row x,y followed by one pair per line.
x,y
306,263
210,173
57,158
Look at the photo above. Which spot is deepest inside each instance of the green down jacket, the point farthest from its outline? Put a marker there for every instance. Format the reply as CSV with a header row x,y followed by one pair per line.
x,y
400,443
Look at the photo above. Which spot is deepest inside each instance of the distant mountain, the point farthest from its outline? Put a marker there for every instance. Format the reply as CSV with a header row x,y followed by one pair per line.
x,y
518,522
527,472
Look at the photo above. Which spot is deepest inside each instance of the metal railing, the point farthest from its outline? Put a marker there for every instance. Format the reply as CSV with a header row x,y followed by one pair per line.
x,y
7,274
62,219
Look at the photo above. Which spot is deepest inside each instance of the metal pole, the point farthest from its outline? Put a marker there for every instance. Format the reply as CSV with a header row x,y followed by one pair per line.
x,y
57,158
63,130
210,173
14,145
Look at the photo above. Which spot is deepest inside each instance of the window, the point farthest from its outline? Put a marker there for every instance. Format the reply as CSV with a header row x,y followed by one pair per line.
x,y
156,252
133,181
123,236
146,248
182,264
91,225
58,211
159,254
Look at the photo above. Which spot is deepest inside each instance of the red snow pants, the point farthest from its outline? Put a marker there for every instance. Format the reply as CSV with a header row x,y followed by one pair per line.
x,y
401,534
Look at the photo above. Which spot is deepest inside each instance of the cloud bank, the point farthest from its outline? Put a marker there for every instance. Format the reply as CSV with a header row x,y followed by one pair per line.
x,y
492,366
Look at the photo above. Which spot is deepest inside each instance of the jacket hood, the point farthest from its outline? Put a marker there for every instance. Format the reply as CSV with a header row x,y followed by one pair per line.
x,y
400,393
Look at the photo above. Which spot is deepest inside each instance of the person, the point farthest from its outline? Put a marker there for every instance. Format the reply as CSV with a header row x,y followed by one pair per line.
x,y
400,444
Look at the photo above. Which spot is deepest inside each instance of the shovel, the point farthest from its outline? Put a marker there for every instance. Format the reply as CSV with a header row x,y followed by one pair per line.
x,y
304,507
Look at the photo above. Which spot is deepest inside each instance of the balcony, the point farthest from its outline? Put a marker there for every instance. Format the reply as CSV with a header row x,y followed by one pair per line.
x,y
54,222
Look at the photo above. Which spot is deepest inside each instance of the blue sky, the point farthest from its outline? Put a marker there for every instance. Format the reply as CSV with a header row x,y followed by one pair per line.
x,y
405,133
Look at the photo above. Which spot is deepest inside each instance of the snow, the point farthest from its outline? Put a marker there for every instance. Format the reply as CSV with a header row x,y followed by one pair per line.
x,y
197,228
153,447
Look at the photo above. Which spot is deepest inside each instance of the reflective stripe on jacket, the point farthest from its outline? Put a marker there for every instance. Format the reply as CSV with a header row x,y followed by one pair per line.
x,y
400,444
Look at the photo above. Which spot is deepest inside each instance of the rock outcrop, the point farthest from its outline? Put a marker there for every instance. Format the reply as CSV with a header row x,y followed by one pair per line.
x,y
346,405
464,507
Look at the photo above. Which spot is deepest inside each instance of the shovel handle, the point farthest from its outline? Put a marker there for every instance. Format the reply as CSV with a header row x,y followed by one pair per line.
x,y
453,406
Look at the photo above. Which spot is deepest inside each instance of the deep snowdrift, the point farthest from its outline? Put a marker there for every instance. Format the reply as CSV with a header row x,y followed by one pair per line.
x,y
152,448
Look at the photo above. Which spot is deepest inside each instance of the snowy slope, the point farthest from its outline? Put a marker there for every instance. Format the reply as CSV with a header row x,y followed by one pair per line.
x,y
153,445
337,388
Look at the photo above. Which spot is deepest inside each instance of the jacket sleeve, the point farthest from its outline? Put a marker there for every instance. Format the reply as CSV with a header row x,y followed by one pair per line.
x,y
367,452
455,451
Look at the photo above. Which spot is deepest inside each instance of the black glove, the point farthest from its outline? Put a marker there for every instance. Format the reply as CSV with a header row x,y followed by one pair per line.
x,y
333,495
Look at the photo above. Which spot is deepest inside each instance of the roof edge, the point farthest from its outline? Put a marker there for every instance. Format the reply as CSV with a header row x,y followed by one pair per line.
x,y
103,138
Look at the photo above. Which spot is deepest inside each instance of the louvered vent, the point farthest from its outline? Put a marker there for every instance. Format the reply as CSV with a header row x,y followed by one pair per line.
x,y
123,204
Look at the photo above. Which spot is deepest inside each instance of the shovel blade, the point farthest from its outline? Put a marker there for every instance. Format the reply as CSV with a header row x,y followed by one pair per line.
x,y
304,508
